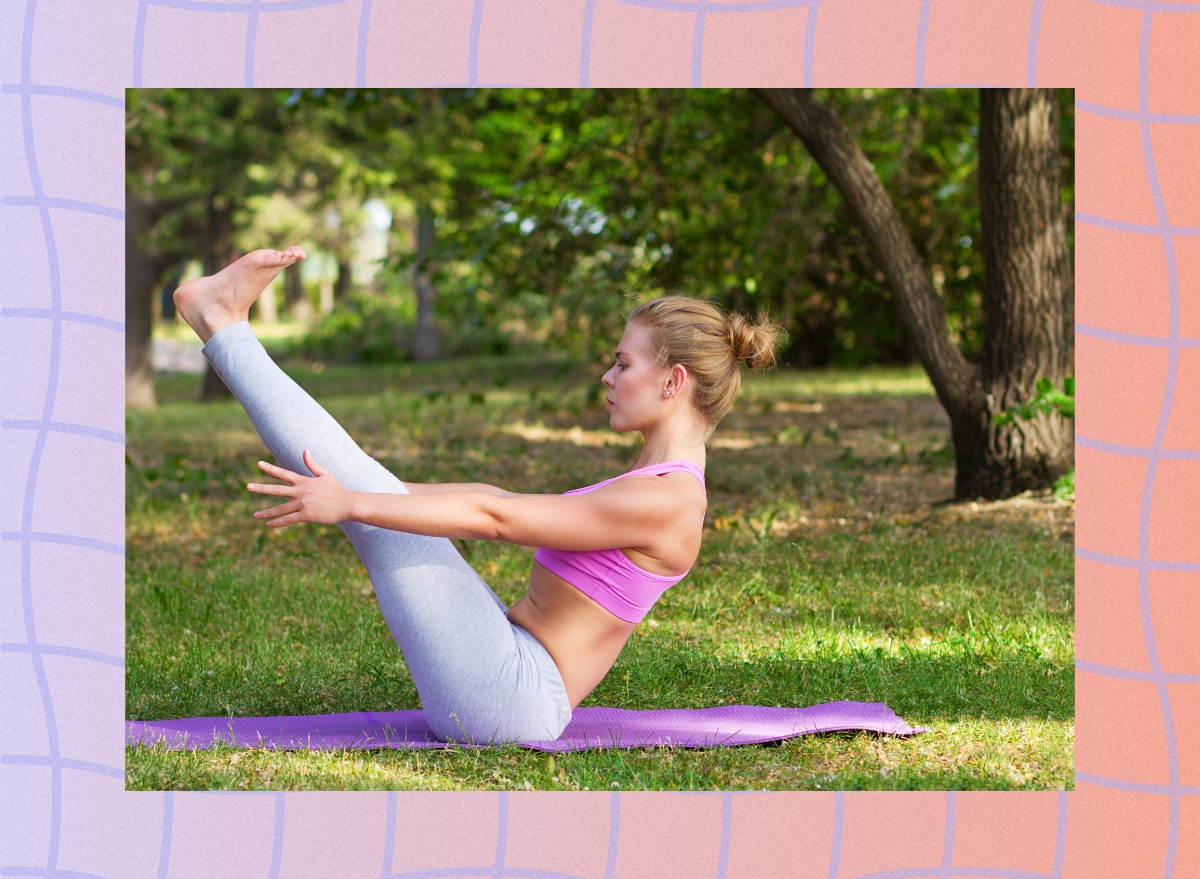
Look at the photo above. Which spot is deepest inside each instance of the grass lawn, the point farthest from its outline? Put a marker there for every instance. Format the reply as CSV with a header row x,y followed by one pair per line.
x,y
832,568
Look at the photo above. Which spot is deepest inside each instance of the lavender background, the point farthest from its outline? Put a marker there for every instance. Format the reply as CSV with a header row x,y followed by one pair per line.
x,y
63,812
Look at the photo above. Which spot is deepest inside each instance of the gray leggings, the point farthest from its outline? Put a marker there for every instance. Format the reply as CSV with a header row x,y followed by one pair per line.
x,y
481,678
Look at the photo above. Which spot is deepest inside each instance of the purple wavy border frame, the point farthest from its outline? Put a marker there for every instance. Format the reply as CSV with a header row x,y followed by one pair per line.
x,y
252,9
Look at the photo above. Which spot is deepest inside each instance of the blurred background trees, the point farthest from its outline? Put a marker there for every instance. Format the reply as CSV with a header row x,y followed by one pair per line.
x,y
448,223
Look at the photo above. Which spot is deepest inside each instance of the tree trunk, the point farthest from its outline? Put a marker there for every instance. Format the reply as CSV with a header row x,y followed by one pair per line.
x,y
426,344
1029,290
167,296
142,270
297,303
293,289
1025,320
922,314
345,279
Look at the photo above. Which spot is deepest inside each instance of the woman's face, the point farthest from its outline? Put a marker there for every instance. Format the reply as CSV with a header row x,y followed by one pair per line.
x,y
635,383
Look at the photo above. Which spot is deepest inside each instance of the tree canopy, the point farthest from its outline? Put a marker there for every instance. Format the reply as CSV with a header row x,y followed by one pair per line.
x,y
552,206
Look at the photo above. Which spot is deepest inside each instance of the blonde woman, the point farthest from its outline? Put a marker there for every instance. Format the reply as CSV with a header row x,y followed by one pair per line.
x,y
606,552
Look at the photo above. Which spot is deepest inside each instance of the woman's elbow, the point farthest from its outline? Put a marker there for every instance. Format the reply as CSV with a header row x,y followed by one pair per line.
x,y
491,523
491,529
508,520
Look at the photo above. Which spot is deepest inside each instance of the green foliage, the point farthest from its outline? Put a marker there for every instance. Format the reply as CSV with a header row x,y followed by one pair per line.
x,y
370,327
707,192
230,170
554,206
363,328
1064,487
1047,399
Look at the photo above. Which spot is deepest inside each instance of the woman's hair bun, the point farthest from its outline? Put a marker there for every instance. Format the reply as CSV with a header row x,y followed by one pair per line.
x,y
710,343
753,344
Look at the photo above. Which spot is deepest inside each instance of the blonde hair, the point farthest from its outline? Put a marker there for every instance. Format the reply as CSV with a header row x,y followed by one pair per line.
x,y
710,344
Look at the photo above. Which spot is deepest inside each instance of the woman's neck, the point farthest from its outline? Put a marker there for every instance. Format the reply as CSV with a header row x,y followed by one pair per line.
x,y
672,445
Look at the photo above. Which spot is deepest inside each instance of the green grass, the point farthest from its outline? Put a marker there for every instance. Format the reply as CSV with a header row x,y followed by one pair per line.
x,y
832,568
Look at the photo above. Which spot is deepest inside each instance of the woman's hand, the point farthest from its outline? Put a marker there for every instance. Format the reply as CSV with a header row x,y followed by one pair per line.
x,y
319,498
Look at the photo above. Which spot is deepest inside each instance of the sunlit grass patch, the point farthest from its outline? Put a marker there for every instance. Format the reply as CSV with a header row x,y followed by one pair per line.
x,y
861,381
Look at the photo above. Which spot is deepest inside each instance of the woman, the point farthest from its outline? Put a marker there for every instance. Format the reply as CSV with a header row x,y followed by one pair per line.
x,y
606,552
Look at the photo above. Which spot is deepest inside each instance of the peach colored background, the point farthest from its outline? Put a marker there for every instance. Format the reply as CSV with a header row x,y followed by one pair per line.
x,y
63,67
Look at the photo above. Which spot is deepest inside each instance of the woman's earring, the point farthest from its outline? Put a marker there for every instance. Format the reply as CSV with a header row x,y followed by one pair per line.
x,y
666,393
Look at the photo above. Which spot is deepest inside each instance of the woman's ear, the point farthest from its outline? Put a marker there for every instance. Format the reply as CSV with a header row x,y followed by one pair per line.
x,y
679,379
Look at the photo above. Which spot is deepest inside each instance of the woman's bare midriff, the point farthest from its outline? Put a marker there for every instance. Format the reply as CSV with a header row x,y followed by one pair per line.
x,y
581,637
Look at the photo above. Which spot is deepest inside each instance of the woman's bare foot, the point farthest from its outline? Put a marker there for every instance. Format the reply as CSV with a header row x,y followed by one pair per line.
x,y
215,301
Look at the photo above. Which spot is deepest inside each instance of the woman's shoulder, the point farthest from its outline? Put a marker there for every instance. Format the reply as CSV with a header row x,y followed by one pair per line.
x,y
675,492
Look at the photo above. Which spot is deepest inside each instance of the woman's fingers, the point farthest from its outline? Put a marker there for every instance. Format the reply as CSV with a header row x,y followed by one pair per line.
x,y
281,510
268,488
291,519
284,514
278,472
311,463
309,497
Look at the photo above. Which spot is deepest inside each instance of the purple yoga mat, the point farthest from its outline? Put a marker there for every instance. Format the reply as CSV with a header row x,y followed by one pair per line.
x,y
589,728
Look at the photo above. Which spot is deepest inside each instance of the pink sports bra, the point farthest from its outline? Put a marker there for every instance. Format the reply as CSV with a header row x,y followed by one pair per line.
x,y
607,576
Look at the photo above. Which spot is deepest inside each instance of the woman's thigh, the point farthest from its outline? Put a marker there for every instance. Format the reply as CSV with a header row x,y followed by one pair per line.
x,y
480,677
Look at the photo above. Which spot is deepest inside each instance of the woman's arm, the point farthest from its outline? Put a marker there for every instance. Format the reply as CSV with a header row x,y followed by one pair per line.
x,y
453,487
630,513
